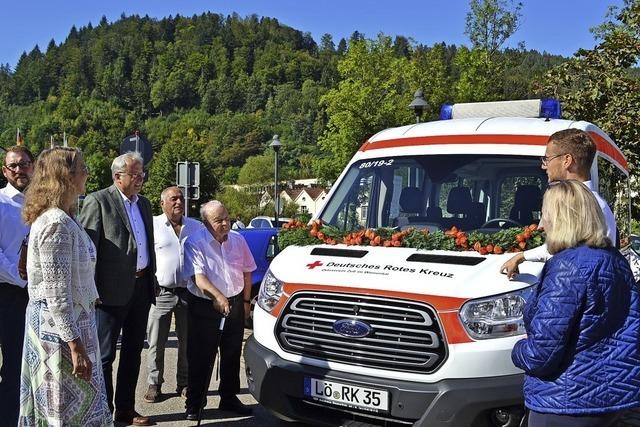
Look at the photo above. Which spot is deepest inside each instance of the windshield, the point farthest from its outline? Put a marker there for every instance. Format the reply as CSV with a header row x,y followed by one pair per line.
x,y
438,192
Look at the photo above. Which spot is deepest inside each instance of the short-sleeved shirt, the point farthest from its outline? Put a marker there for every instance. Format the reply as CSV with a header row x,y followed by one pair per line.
x,y
169,250
224,264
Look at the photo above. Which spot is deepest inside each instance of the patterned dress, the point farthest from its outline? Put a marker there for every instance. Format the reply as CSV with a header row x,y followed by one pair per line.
x,y
62,292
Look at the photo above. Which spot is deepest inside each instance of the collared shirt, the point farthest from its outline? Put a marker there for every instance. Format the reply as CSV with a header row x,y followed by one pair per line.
x,y
169,249
542,254
137,226
223,264
13,193
12,232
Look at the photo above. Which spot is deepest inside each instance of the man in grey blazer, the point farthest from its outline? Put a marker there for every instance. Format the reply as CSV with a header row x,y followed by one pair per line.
x,y
120,223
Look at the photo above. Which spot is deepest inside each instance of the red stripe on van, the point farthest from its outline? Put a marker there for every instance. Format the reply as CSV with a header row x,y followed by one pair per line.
x,y
602,144
610,150
446,307
457,139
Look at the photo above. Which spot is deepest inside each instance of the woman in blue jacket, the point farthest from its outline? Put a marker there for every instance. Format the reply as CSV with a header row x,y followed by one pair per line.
x,y
581,356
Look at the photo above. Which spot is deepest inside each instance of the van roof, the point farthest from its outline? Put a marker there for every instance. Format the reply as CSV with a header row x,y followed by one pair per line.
x,y
492,135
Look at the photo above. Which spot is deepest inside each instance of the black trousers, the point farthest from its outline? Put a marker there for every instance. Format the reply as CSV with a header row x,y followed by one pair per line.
x,y
13,305
202,340
131,319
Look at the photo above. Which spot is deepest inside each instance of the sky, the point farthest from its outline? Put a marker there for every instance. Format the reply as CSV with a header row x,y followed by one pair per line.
x,y
555,26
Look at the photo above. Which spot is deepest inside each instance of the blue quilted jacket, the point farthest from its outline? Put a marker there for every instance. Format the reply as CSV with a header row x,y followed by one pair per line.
x,y
582,350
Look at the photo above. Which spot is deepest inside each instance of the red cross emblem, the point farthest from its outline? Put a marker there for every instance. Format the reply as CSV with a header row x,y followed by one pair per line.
x,y
314,265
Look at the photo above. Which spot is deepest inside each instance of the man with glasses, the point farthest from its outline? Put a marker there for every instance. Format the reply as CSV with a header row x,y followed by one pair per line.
x,y
569,155
17,168
120,223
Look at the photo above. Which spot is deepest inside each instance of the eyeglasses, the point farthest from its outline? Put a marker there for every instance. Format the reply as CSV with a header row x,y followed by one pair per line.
x,y
23,164
545,159
134,176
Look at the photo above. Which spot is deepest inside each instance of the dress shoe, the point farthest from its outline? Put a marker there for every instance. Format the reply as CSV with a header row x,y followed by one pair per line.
x,y
233,404
153,394
191,416
131,417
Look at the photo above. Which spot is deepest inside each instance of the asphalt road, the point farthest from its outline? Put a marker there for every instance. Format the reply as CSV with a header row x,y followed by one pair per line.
x,y
170,410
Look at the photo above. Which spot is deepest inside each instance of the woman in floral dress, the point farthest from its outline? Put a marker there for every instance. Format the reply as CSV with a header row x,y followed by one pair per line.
x,y
61,380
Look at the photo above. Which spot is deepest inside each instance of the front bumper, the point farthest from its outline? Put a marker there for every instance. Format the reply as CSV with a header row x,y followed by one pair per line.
x,y
277,384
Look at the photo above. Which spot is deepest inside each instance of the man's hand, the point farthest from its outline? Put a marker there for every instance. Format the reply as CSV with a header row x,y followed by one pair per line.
x,y
510,268
221,303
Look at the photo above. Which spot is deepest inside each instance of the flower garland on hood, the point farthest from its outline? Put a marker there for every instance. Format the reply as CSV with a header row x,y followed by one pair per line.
x,y
515,239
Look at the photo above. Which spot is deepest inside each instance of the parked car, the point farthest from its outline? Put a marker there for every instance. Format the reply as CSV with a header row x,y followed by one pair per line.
x,y
267,222
263,246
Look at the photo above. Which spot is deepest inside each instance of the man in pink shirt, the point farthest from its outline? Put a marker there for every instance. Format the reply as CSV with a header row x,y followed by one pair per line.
x,y
221,265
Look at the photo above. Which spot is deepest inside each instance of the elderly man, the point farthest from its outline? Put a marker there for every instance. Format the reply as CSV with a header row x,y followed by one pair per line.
x,y
170,229
120,223
221,286
17,168
569,155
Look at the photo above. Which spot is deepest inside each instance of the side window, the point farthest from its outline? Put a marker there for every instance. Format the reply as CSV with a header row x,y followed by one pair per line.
x,y
613,186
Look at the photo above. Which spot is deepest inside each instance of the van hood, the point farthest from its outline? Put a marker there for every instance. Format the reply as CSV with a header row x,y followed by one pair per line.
x,y
443,273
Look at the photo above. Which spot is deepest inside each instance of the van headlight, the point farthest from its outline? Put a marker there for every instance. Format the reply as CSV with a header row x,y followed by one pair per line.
x,y
270,291
495,317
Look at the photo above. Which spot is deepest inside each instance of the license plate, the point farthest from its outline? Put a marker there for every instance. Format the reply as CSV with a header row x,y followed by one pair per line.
x,y
348,395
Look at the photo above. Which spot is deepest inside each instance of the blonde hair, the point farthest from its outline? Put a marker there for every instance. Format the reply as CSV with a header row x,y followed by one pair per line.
x,y
52,183
572,217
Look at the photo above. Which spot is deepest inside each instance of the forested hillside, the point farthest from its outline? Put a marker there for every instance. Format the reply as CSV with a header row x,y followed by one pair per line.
x,y
215,89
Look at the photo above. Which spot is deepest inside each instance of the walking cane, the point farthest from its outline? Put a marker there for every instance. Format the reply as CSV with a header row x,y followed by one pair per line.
x,y
206,384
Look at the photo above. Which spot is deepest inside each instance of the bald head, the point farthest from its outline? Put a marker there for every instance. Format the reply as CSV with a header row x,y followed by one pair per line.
x,y
216,219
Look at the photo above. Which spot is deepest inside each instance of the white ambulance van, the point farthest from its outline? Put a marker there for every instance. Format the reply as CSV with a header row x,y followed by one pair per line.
x,y
370,335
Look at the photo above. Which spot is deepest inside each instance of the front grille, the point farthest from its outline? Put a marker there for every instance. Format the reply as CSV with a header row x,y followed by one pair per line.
x,y
405,335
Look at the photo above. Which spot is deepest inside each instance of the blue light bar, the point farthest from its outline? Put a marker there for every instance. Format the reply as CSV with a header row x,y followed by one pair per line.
x,y
446,112
550,108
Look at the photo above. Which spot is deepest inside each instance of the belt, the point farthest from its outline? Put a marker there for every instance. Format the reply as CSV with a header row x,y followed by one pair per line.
x,y
141,273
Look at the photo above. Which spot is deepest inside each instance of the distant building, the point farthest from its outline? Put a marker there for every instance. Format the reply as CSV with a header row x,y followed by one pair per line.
x,y
306,193
308,199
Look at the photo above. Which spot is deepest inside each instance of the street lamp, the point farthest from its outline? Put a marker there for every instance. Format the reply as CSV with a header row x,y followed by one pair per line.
x,y
275,144
418,104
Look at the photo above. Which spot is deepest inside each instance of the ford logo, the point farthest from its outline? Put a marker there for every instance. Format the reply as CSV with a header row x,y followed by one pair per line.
x,y
351,328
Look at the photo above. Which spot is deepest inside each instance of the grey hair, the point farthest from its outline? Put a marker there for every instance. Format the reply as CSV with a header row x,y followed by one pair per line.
x,y
119,164
164,193
208,206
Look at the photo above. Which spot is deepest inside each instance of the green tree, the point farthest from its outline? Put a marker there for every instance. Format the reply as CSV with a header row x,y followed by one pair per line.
x,y
601,85
373,94
257,170
490,23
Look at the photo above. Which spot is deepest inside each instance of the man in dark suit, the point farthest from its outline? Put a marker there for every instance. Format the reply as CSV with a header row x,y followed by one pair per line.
x,y
120,223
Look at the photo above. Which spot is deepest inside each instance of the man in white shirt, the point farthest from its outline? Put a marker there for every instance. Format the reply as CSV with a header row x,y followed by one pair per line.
x,y
220,285
170,230
17,168
569,155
